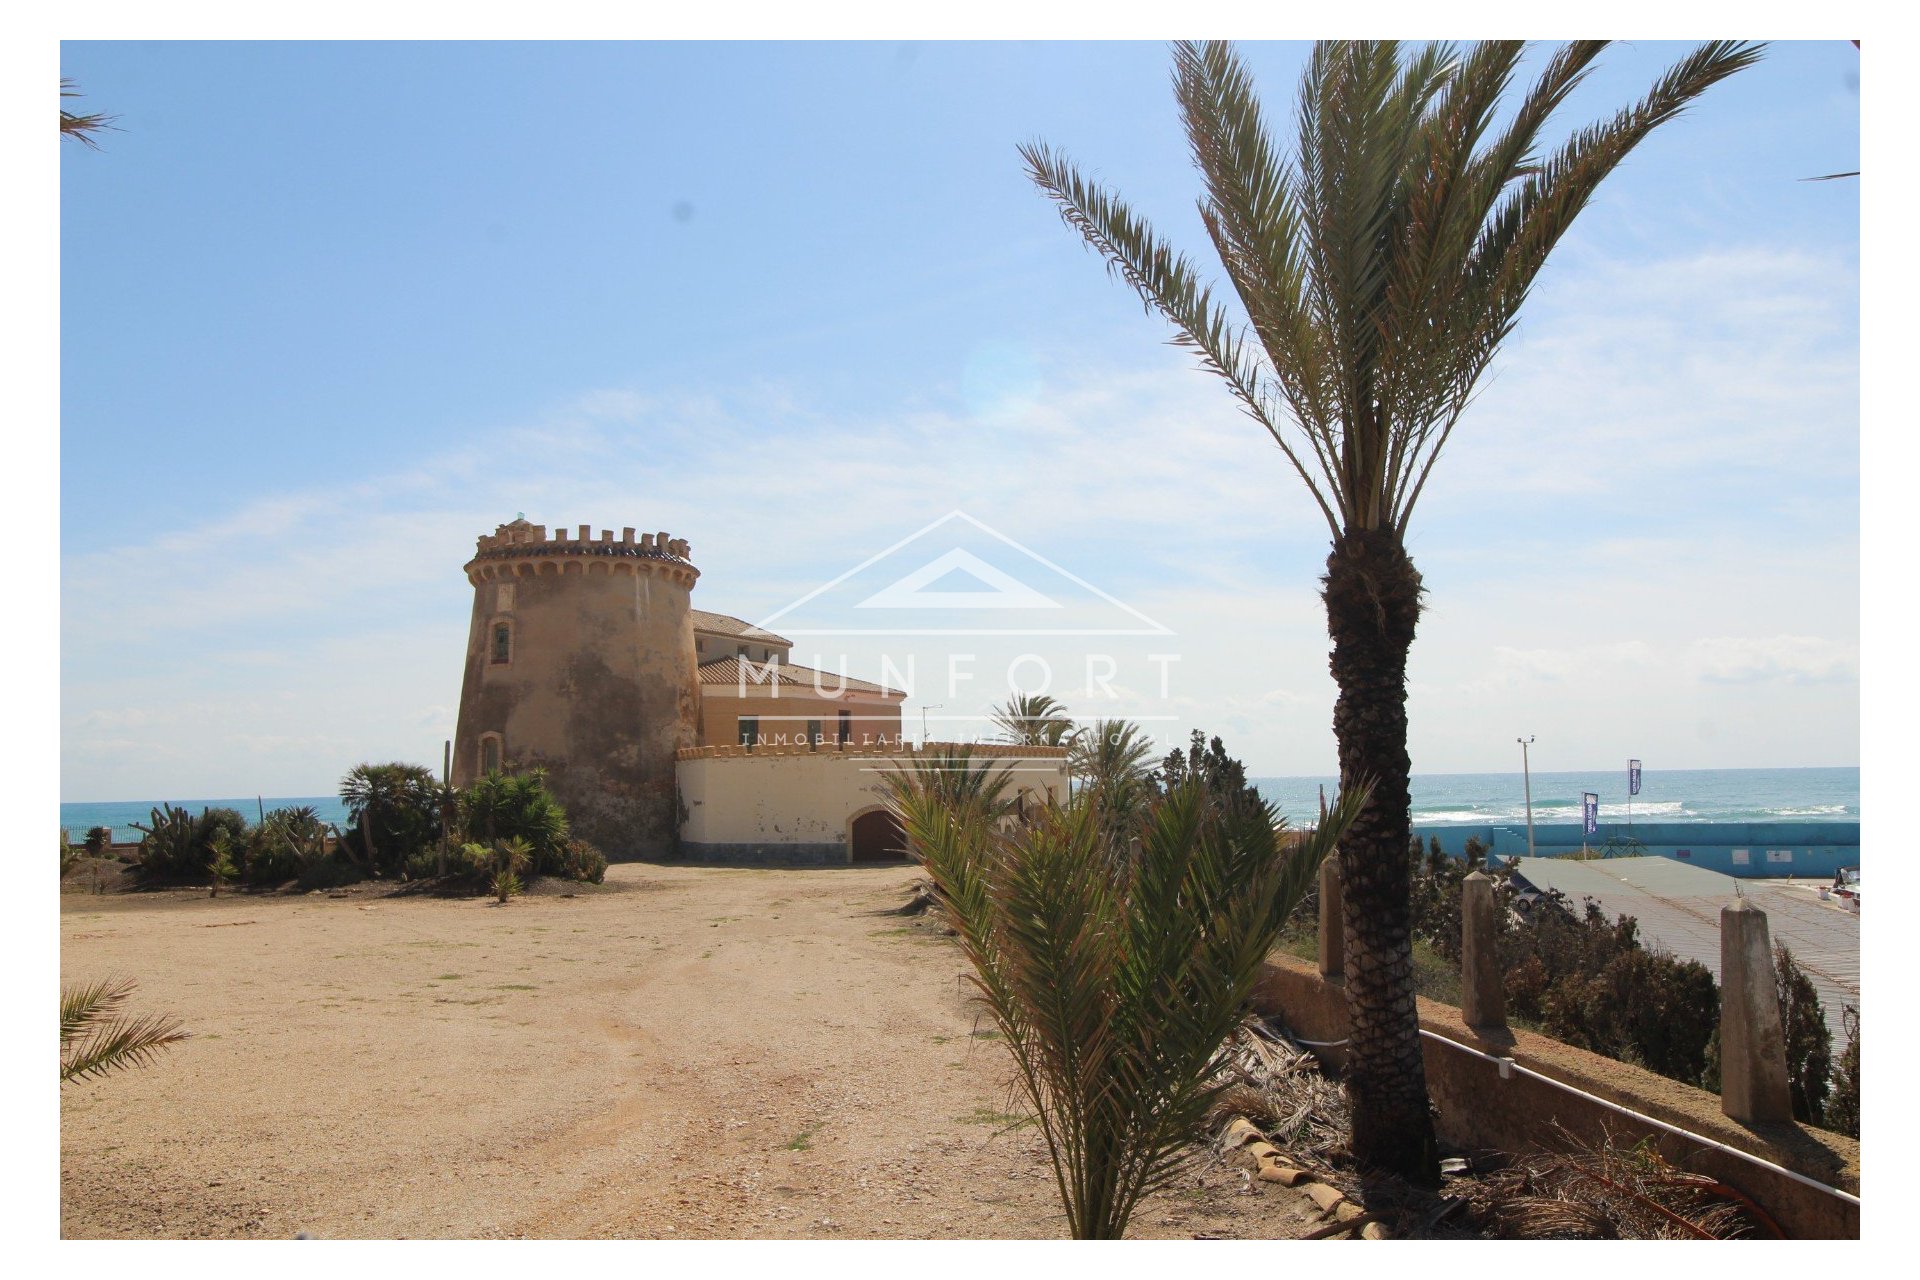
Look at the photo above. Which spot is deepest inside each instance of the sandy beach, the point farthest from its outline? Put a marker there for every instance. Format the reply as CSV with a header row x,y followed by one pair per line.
x,y
683,1052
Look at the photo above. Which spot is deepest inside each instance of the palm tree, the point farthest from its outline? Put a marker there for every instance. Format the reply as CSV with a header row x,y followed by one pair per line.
x,y
97,1038
1034,720
379,795
1379,268
1114,987
81,127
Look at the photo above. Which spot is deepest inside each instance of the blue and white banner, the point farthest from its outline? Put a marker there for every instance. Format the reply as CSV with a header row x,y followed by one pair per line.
x,y
1590,810
1633,777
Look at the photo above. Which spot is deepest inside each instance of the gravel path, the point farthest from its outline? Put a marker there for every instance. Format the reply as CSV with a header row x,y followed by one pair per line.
x,y
690,1052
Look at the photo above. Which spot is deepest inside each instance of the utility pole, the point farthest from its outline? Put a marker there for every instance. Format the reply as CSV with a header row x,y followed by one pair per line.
x,y
1526,774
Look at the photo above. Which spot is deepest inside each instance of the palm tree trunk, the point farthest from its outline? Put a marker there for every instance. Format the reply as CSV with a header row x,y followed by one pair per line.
x,y
1372,593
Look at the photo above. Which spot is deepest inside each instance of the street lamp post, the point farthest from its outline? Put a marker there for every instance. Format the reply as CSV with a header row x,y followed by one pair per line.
x,y
1526,775
923,721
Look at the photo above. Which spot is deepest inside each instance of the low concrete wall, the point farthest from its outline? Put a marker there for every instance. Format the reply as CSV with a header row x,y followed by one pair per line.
x,y
1478,1110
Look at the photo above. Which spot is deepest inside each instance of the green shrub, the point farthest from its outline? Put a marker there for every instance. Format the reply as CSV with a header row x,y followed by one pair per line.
x,y
1809,1042
509,806
284,845
99,840
424,865
69,855
505,884
213,821
584,862
1843,1102
330,873
396,812
169,845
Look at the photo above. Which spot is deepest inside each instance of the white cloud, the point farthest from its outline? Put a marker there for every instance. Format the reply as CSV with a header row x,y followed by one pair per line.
x,y
1758,659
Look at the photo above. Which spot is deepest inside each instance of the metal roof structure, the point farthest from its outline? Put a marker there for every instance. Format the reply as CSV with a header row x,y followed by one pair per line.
x,y
1678,908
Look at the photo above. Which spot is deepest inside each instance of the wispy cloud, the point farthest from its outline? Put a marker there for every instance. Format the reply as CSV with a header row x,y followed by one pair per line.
x,y
268,645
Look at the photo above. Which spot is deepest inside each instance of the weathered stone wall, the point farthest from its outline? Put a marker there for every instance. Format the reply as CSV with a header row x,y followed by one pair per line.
x,y
600,688
1477,1109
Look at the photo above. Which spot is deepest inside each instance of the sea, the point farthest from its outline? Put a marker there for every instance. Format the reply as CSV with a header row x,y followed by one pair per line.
x,y
1439,799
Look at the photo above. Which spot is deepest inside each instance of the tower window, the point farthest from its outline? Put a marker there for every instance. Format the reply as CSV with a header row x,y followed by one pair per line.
x,y
502,642
489,755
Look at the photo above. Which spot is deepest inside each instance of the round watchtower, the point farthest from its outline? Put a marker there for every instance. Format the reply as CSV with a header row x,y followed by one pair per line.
x,y
580,661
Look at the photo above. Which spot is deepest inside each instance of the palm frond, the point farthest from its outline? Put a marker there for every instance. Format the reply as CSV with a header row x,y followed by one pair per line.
x,y
97,1037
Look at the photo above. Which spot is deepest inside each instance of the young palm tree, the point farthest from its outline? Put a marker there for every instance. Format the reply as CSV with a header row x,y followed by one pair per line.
x,y
1379,267
1033,719
97,1038
1114,986
1110,766
378,796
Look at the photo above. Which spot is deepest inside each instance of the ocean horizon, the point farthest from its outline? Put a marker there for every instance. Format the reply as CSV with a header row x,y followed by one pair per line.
x,y
1829,794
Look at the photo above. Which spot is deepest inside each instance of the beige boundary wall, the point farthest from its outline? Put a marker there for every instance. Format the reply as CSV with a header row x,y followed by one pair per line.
x,y
794,806
1479,1110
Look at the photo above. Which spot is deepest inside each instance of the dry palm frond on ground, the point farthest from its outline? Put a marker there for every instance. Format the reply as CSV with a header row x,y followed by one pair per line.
x,y
1282,1090
1609,1192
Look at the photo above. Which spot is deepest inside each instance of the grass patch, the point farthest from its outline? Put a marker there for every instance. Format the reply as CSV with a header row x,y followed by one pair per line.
x,y
447,977
998,1119
986,1033
801,1141
516,986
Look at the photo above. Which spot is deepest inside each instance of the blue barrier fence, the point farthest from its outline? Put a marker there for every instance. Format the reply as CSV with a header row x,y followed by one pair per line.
x,y
1808,850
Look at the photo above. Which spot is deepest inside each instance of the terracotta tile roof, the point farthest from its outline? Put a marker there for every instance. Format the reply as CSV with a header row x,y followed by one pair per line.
x,y
725,624
726,671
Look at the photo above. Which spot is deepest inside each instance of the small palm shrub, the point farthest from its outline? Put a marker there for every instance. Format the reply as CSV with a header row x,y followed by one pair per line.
x,y
510,859
1114,984
584,862
220,868
69,853
99,840
98,1037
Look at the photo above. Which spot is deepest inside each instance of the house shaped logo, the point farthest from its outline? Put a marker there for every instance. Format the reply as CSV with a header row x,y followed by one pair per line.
x,y
959,577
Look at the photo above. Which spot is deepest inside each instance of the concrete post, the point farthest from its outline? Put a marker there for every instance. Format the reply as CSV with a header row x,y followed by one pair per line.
x,y
1483,997
1753,1046
1333,936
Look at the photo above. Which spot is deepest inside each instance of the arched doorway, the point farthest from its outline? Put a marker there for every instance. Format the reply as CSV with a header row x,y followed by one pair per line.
x,y
876,836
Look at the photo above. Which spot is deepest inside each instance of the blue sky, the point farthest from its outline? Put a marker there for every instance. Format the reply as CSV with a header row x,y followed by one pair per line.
x,y
793,302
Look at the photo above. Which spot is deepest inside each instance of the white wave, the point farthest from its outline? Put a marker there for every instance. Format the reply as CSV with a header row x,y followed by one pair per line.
x,y
1810,811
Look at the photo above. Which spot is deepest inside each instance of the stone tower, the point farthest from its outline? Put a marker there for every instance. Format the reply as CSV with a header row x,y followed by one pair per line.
x,y
580,660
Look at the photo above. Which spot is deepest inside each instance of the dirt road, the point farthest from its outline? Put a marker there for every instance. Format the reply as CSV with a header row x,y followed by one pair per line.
x,y
690,1052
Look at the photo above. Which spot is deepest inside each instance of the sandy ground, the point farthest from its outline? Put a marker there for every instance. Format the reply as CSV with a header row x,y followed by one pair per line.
x,y
691,1052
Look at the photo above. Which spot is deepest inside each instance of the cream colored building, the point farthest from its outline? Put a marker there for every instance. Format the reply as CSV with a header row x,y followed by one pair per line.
x,y
753,694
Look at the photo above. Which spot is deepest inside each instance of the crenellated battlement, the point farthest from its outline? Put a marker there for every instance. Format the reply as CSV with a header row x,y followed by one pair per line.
x,y
516,547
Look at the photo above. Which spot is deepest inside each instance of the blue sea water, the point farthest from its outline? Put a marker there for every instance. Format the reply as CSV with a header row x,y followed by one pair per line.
x,y
120,815
1677,795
